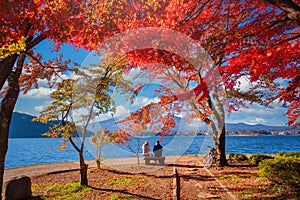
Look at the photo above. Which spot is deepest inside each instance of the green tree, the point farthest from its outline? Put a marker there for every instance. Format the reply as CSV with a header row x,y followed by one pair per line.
x,y
77,103
100,138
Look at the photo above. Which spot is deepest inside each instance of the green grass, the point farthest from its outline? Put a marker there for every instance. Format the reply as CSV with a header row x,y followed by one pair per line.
x,y
231,178
248,196
68,191
117,197
125,181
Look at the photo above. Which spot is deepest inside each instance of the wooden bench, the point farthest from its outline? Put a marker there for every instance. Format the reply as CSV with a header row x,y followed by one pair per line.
x,y
161,160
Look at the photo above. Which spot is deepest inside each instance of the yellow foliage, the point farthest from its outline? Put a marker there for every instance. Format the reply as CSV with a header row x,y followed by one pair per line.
x,y
63,146
14,48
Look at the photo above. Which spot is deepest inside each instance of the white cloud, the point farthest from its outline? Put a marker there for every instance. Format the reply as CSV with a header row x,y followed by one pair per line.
x,y
39,93
258,114
39,108
244,84
142,101
121,112
257,120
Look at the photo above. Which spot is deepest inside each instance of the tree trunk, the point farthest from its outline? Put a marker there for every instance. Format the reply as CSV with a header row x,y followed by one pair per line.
x,y
220,149
98,157
138,158
138,150
6,110
98,162
83,170
5,119
6,66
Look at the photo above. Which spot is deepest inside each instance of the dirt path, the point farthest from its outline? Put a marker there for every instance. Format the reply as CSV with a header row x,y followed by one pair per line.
x,y
196,181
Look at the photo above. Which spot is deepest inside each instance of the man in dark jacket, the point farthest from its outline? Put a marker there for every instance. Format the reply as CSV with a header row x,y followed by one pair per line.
x,y
157,149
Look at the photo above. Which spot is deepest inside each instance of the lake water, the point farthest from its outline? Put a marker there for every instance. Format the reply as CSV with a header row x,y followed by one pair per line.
x,y
30,151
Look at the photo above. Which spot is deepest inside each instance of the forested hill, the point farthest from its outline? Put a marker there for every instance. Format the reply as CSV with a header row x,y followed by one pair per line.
x,y
22,126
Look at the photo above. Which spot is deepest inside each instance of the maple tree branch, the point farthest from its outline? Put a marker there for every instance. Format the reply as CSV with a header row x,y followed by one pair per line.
x,y
31,55
212,17
293,38
73,144
63,120
291,9
63,117
265,28
191,16
35,41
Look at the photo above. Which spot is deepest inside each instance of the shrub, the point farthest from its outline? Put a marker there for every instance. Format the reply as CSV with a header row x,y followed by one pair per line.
x,y
237,156
295,155
257,158
282,171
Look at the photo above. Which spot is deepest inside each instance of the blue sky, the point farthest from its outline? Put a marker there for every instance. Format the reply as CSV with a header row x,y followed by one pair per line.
x,y
37,99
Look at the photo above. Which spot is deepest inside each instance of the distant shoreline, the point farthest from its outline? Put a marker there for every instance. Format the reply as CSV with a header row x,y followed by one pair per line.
x,y
172,136
112,161
259,135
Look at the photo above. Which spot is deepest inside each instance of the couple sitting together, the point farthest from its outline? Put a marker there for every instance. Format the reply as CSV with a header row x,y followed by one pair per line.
x,y
157,149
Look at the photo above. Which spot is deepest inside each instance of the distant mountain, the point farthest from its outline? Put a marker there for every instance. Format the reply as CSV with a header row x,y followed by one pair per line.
x,y
23,127
256,127
184,126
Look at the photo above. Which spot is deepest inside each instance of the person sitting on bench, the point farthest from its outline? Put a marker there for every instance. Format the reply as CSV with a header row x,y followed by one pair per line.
x,y
157,149
146,148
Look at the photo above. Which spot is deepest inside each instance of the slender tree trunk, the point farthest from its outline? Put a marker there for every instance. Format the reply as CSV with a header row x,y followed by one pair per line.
x,y
138,150
220,149
83,166
98,157
6,110
138,158
83,170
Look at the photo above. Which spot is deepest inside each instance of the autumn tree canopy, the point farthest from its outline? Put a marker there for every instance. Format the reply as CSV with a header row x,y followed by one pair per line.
x,y
253,39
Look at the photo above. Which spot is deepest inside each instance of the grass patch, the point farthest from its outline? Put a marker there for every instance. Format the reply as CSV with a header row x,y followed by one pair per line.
x,y
41,188
124,181
117,197
68,191
237,157
231,178
248,196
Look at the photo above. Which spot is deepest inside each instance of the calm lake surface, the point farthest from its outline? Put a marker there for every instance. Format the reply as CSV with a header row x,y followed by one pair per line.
x,y
30,151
